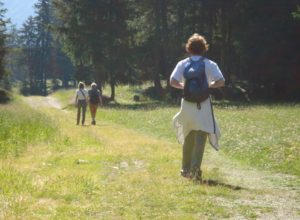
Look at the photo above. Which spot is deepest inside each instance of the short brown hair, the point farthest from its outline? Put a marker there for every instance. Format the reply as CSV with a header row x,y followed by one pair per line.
x,y
196,45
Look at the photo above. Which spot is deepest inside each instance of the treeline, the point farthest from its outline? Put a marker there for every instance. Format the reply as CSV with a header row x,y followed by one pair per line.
x,y
35,55
256,43
3,36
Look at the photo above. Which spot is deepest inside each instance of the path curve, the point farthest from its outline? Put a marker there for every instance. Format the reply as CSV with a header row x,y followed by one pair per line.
x,y
41,101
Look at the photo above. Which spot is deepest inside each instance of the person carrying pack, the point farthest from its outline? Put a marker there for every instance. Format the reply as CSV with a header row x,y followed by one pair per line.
x,y
95,99
196,76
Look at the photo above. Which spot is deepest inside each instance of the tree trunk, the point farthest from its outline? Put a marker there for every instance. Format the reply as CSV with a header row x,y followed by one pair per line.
x,y
65,80
112,89
98,69
180,23
159,8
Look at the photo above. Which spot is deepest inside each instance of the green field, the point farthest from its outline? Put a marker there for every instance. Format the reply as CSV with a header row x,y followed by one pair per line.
x,y
127,167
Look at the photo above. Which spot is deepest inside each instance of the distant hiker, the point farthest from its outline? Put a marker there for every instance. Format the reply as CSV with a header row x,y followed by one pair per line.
x,y
196,120
81,102
95,99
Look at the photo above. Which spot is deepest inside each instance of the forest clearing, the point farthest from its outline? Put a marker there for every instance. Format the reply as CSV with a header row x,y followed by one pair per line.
x,y
145,68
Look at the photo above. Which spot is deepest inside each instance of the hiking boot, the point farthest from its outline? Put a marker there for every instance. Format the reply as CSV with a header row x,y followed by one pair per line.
x,y
185,173
196,175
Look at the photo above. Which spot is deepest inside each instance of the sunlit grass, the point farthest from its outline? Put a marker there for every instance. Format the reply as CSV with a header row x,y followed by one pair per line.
x,y
265,136
103,173
127,167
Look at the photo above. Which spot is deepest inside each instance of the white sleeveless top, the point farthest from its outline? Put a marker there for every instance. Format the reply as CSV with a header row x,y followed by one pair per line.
x,y
80,92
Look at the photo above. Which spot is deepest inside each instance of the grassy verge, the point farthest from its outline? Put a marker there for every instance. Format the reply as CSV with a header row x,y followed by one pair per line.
x,y
22,126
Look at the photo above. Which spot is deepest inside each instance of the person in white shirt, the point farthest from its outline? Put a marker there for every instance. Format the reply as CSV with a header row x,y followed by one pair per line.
x,y
193,124
81,102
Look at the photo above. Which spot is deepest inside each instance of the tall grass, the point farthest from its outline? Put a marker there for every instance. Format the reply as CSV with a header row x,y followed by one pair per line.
x,y
21,126
263,135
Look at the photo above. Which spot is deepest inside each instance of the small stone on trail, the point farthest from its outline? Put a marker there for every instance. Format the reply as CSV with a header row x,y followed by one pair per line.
x,y
80,161
124,165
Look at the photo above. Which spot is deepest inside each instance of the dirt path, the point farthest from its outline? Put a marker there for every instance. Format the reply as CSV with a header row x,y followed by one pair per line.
x,y
275,195
40,101
271,195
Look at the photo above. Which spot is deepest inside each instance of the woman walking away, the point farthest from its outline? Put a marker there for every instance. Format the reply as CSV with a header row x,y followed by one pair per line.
x,y
81,102
195,121
94,100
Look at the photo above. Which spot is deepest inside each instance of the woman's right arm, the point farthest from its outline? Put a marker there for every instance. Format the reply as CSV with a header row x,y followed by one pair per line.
x,y
176,84
76,99
176,76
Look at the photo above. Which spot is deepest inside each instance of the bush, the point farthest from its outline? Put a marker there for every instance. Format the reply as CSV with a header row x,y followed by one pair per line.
x,y
5,96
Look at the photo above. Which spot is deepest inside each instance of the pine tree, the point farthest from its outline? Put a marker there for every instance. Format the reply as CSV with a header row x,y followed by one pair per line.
x,y
43,21
29,42
3,36
94,33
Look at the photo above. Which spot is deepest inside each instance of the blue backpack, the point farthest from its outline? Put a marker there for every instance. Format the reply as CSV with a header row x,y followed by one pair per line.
x,y
94,95
196,87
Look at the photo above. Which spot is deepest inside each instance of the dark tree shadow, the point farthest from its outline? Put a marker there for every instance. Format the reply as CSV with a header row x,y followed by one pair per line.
x,y
141,105
210,182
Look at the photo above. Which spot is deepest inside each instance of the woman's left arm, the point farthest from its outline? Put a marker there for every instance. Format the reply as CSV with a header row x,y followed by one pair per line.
x,y
217,84
215,76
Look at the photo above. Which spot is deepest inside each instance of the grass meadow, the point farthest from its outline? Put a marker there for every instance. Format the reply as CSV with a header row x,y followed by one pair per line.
x,y
127,167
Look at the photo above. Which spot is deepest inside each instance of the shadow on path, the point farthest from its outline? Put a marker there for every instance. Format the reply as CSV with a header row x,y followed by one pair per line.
x,y
210,182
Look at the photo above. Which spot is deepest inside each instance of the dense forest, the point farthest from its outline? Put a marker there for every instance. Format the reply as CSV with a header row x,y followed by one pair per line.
x,y
256,44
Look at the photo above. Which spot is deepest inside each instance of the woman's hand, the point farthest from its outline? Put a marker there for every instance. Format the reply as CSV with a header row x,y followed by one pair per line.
x,y
217,84
174,83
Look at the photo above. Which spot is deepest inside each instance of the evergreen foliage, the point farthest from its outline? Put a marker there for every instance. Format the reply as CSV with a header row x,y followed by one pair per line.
x,y
255,43
3,51
36,56
95,34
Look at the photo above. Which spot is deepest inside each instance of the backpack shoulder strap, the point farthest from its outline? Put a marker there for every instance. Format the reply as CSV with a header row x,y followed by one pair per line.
x,y
82,93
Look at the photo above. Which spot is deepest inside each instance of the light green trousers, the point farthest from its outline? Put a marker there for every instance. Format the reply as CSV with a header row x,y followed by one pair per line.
x,y
193,150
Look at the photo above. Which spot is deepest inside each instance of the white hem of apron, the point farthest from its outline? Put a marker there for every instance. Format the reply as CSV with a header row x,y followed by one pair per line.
x,y
190,118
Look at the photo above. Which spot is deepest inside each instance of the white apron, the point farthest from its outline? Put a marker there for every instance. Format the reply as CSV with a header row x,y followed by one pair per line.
x,y
191,118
